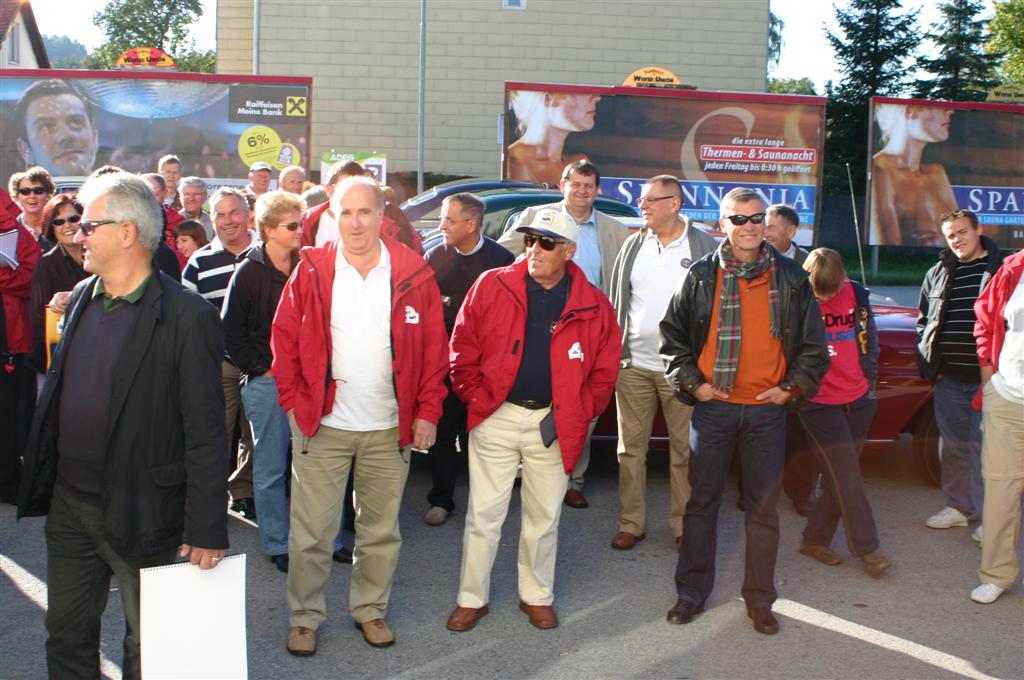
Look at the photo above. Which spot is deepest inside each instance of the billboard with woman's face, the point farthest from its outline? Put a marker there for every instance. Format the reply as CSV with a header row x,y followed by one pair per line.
x,y
930,158
71,122
711,141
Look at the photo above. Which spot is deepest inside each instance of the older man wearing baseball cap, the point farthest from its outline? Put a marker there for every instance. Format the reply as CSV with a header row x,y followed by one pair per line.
x,y
260,173
534,356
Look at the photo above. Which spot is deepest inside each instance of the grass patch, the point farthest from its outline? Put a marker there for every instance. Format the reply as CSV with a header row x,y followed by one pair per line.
x,y
896,266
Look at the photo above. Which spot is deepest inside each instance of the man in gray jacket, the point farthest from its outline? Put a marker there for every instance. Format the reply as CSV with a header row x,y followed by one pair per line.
x,y
599,241
650,267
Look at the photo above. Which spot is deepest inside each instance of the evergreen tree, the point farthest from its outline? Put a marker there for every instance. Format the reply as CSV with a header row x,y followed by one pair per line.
x,y
872,49
962,71
1007,36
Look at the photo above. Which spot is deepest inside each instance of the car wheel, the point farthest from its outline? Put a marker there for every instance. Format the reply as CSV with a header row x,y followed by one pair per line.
x,y
926,446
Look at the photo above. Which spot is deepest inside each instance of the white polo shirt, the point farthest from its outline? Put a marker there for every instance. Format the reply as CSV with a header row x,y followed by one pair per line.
x,y
364,399
326,231
657,272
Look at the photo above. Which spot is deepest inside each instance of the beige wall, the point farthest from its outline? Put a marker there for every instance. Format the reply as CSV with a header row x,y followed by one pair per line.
x,y
364,57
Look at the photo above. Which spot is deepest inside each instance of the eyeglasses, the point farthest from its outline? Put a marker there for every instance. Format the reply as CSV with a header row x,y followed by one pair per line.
x,y
291,226
653,199
545,242
38,191
60,221
738,220
88,227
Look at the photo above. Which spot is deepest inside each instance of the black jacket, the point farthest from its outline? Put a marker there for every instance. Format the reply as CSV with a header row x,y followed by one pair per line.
x,y
165,476
684,329
932,304
249,307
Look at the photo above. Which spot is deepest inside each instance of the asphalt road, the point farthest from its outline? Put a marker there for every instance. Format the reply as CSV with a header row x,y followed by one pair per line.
x,y
836,622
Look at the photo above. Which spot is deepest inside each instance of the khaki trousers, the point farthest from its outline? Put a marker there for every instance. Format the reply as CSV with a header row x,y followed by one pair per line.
x,y
320,468
1002,468
637,393
240,480
496,446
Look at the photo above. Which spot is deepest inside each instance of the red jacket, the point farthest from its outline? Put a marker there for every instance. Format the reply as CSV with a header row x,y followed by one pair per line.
x,y
390,226
585,346
172,218
301,339
990,328
16,287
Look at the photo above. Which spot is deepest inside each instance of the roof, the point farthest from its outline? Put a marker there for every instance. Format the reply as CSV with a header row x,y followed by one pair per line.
x,y
9,11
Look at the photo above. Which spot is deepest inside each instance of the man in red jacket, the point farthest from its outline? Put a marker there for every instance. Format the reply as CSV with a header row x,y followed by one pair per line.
x,y
359,359
534,356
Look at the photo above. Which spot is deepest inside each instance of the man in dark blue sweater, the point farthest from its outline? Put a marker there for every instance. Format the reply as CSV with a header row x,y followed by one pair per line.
x,y
457,263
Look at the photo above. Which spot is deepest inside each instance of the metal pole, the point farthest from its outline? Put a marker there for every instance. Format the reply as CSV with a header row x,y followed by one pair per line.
x,y
856,226
423,91
256,37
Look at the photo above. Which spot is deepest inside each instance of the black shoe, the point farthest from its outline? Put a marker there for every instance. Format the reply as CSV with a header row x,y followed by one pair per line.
x,y
683,612
764,621
280,561
246,507
343,555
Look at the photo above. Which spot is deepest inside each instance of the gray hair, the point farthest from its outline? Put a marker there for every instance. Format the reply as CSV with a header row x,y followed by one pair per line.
x,y
292,168
228,191
192,182
129,199
738,195
472,207
785,212
155,177
315,196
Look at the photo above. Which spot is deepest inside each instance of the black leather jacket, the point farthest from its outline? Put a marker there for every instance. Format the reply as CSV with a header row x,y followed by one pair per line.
x,y
684,329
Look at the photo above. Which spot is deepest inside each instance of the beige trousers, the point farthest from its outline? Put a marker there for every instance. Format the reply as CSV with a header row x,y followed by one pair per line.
x,y
320,468
496,446
637,393
1002,468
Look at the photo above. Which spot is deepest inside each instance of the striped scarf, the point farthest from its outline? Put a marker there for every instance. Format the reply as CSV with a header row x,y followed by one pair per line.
x,y
727,358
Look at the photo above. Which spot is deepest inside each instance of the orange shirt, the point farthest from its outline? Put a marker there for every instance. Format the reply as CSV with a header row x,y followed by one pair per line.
x,y
762,363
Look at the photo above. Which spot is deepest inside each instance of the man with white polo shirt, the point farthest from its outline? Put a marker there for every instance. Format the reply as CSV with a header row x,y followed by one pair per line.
x,y
647,271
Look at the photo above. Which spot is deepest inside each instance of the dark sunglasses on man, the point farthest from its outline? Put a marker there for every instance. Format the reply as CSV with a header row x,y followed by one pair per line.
x,y
739,220
87,228
38,191
73,219
546,242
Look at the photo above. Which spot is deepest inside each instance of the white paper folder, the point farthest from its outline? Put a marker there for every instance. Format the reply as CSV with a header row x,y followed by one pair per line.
x,y
193,621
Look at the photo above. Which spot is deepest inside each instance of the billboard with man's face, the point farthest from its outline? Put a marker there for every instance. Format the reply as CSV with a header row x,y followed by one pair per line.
x,y
930,158
71,122
712,141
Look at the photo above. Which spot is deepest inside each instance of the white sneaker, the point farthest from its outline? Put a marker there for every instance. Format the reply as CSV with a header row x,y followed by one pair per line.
x,y
986,593
978,534
946,518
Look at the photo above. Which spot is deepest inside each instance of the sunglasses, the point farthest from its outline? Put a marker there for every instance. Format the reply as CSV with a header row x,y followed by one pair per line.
x,y
87,228
653,199
291,226
545,242
60,221
38,191
756,218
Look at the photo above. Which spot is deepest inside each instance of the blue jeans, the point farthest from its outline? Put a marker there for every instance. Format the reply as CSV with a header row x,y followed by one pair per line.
x,y
271,437
716,428
960,446
836,435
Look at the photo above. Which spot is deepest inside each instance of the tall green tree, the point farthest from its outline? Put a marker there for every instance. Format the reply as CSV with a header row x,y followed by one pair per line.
x,y
64,52
1007,36
962,71
791,86
775,26
164,24
873,47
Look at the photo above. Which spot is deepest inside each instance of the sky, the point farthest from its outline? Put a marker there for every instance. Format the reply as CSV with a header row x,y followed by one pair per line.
x,y
805,50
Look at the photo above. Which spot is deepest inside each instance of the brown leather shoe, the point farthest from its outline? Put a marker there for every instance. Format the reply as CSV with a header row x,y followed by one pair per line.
x,y
875,563
464,618
574,499
625,540
302,641
541,615
822,553
377,633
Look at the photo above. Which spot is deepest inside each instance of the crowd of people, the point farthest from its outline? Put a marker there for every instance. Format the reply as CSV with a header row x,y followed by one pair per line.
x,y
281,355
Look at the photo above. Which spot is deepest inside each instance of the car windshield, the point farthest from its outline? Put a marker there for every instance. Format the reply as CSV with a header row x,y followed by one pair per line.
x,y
421,198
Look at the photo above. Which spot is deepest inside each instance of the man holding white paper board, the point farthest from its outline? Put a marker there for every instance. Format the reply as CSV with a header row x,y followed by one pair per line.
x,y
125,454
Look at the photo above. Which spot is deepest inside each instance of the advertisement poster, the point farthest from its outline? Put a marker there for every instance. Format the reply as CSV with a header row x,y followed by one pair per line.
x,y
373,162
71,122
712,141
929,158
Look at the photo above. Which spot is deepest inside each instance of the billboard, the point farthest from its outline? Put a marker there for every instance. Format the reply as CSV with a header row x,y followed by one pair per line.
x,y
711,141
929,158
71,122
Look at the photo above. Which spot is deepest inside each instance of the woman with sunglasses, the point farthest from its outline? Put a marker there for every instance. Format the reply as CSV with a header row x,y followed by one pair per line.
x,y
249,307
31,189
58,270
